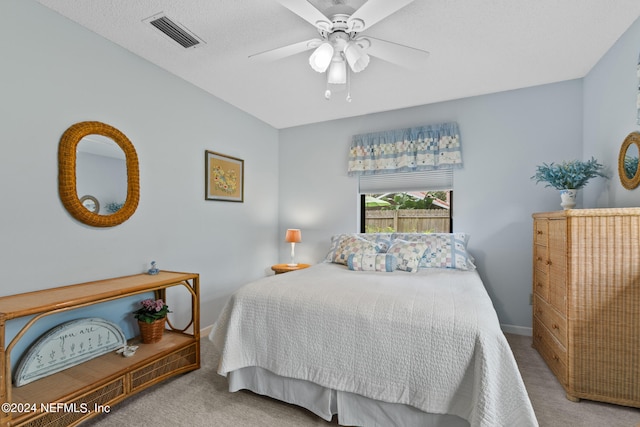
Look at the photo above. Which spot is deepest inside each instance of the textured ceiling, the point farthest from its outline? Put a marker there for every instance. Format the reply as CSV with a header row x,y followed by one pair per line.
x,y
477,47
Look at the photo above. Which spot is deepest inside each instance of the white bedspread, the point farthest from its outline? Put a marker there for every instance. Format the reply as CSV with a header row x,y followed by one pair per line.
x,y
429,339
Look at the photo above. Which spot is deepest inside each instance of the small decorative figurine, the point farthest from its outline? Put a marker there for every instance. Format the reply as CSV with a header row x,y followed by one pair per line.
x,y
154,269
128,350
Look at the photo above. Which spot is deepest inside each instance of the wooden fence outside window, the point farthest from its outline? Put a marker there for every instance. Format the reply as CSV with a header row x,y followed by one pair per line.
x,y
407,221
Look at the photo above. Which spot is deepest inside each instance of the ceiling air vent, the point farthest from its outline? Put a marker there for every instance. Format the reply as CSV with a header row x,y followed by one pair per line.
x,y
176,32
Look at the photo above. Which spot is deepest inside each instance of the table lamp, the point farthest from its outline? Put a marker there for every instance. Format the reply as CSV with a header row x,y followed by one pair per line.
x,y
293,236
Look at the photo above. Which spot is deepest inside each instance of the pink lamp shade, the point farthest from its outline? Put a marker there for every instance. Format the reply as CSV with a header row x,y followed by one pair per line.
x,y
293,236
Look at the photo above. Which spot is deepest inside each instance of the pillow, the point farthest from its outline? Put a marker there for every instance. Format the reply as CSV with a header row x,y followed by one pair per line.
x,y
446,250
353,245
408,254
382,241
377,262
335,241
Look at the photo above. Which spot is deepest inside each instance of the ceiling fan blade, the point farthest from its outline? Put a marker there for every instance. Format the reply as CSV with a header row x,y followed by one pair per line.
x,y
308,12
373,11
405,56
283,52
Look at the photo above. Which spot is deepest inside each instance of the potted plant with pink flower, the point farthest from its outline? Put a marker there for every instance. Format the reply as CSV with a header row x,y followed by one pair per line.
x,y
151,319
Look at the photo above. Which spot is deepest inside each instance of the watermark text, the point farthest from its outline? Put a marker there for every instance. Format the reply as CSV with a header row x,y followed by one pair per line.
x,y
54,407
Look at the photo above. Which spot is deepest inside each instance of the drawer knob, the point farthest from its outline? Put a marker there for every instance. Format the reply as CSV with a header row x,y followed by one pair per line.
x,y
548,262
539,231
556,358
555,326
539,284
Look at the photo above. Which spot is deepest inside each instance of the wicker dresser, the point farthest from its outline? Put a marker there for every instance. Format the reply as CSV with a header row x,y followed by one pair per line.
x,y
586,301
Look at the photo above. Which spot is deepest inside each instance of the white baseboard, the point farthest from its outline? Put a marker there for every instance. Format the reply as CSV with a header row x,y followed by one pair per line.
x,y
517,330
204,332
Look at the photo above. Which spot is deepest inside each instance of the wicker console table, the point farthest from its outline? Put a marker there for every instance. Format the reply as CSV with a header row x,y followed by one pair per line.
x,y
586,304
71,396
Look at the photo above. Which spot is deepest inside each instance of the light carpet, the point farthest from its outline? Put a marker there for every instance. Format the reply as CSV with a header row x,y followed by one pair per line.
x,y
200,398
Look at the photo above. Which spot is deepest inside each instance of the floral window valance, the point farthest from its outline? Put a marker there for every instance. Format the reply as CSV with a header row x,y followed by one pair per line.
x,y
406,150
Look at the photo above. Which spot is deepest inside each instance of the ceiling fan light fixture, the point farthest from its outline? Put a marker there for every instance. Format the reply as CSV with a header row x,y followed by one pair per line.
x,y
356,57
337,71
320,59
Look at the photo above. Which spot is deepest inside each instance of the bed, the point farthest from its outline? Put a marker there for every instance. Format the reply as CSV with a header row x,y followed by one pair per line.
x,y
391,329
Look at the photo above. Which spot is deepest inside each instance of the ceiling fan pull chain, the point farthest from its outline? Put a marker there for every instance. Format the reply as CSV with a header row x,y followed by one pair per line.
x,y
348,85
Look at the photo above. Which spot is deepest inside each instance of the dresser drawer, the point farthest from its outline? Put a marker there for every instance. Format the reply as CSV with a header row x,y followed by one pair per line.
x,y
553,353
541,258
551,319
540,231
540,284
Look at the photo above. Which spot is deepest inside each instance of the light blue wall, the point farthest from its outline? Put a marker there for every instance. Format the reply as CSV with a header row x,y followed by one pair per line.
x,y
610,91
55,73
60,73
504,136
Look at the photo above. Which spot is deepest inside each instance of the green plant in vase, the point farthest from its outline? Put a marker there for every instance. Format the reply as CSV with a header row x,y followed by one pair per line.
x,y
568,177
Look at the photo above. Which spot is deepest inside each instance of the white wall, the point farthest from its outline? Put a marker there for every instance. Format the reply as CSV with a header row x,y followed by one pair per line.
x,y
55,73
610,114
504,136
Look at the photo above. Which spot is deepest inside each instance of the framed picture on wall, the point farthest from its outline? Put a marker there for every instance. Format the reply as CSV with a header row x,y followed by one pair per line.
x,y
224,177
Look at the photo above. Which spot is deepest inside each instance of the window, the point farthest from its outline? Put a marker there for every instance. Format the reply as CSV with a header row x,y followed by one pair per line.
x,y
413,202
406,212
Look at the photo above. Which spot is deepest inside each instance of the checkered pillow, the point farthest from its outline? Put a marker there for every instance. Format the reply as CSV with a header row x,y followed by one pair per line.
x,y
382,241
446,250
408,254
353,245
370,262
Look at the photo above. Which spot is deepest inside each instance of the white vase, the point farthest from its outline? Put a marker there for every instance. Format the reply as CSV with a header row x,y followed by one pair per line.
x,y
568,197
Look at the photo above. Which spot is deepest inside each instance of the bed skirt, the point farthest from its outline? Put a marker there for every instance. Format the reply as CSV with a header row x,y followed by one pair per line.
x,y
351,409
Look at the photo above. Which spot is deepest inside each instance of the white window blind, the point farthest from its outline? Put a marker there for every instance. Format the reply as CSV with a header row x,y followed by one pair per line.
x,y
431,180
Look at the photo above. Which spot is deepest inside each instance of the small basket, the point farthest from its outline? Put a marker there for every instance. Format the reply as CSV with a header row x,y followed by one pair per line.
x,y
151,332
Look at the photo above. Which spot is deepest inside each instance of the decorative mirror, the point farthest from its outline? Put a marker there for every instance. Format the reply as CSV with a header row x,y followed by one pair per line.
x,y
68,152
90,203
628,161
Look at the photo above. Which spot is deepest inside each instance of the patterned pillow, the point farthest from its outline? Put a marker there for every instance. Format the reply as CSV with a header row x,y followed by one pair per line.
x,y
408,254
382,240
446,250
353,245
370,262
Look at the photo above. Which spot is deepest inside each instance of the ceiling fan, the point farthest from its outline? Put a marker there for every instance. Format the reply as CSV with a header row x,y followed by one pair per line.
x,y
341,48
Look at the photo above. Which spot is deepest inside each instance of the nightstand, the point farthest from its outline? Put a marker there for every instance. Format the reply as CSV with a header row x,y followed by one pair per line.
x,y
284,268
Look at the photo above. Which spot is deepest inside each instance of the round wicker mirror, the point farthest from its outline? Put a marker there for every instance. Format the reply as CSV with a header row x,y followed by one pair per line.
x,y
67,185
628,170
